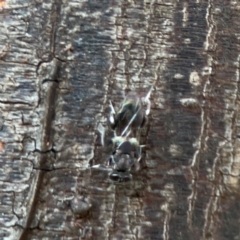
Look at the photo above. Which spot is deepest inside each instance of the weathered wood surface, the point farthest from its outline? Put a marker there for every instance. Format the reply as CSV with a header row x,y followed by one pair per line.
x,y
61,62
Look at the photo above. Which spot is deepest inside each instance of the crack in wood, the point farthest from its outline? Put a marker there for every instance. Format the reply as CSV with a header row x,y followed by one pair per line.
x,y
51,93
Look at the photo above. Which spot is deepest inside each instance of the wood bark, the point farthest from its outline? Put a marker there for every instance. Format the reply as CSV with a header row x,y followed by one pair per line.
x,y
61,61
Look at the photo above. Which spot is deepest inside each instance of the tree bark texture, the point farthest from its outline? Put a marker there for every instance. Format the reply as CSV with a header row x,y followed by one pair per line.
x,y
61,61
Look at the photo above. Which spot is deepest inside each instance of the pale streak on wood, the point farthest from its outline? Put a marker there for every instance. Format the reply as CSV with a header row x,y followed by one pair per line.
x,y
226,165
231,160
167,218
185,14
209,45
211,208
232,178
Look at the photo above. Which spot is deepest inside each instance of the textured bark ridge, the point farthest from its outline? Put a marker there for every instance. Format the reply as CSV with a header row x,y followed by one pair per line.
x,y
61,61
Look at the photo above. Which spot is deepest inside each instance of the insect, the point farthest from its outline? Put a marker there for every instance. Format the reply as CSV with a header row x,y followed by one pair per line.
x,y
129,119
131,114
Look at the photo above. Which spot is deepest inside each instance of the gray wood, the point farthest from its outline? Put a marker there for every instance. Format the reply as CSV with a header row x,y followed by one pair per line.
x,y
60,64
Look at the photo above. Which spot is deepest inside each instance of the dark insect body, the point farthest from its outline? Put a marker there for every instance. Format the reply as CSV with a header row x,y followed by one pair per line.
x,y
129,119
127,152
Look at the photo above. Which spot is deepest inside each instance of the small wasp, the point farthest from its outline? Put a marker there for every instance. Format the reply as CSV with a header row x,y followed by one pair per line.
x,y
131,114
127,151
